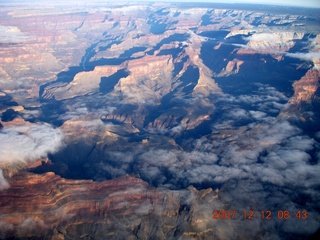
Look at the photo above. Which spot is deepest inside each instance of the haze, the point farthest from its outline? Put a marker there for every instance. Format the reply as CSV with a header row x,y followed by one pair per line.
x,y
136,119
298,3
301,3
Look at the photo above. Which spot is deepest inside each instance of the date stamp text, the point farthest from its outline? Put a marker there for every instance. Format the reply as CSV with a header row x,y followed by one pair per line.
x,y
263,214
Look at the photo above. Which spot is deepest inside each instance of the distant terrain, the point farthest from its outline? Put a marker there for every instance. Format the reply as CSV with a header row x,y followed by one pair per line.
x,y
138,120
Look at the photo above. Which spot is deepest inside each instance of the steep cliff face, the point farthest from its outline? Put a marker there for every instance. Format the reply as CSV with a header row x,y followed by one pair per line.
x,y
305,102
274,42
149,80
51,207
232,67
82,84
50,40
305,89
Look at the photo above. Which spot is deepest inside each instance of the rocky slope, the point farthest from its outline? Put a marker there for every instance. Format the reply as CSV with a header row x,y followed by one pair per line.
x,y
48,206
133,107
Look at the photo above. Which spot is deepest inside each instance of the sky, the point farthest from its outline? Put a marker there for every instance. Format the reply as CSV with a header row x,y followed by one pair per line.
x,y
301,3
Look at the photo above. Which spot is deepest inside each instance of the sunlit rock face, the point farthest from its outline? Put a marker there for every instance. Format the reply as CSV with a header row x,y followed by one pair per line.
x,y
123,208
136,121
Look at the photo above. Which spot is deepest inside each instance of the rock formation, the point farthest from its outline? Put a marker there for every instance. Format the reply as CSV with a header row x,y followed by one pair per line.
x,y
136,121
48,206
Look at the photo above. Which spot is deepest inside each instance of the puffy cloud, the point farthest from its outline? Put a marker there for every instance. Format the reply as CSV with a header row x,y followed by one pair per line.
x,y
263,104
238,113
258,115
3,182
24,144
28,143
31,114
176,168
12,34
178,129
74,113
272,153
310,56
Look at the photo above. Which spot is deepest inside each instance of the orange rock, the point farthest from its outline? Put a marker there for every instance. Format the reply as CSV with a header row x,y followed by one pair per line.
x,y
305,88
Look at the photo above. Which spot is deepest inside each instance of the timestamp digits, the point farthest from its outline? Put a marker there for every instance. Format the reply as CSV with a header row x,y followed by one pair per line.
x,y
224,214
264,214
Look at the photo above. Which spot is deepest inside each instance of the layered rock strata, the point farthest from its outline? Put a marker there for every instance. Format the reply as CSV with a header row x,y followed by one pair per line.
x,y
51,207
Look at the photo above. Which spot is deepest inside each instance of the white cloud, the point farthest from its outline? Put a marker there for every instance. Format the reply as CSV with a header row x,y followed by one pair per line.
x,y
12,34
3,182
258,115
28,143
310,56
21,145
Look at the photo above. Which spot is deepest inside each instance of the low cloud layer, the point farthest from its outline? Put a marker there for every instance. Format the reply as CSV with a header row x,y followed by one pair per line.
x,y
310,56
269,166
12,34
257,158
21,145
3,182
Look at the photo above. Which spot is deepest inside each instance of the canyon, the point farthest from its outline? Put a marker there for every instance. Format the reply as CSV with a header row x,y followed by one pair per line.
x,y
138,120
